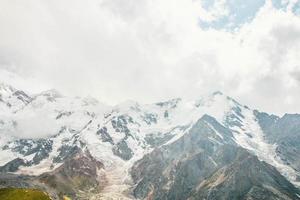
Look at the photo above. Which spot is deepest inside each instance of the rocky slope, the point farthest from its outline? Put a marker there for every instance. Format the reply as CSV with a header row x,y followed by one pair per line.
x,y
207,164
208,148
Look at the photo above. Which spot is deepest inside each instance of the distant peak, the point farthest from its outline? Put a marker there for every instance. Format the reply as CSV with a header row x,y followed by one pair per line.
x,y
52,93
170,103
217,93
90,100
128,104
6,87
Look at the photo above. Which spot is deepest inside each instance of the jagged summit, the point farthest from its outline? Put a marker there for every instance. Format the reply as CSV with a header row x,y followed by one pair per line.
x,y
133,140
6,88
52,93
217,93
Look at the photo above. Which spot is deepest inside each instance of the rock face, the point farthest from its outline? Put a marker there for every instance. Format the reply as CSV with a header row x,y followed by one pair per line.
x,y
245,178
8,180
39,148
13,166
208,148
12,98
77,178
285,133
79,174
122,150
207,164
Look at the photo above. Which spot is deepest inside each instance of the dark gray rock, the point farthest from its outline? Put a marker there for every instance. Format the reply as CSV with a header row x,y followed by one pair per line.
x,y
150,118
155,140
29,146
40,148
285,132
63,114
13,165
22,96
122,150
65,152
105,137
169,104
119,123
15,181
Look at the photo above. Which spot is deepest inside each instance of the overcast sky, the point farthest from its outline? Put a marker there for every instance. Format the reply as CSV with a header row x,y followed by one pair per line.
x,y
149,50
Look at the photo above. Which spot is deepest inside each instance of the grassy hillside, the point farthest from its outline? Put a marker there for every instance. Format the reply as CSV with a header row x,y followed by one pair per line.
x,y
22,194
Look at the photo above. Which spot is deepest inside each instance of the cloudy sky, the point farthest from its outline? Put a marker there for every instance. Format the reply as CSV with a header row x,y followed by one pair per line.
x,y
148,50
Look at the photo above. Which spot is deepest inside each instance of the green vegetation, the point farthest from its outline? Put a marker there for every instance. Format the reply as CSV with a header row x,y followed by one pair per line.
x,y
22,194
66,198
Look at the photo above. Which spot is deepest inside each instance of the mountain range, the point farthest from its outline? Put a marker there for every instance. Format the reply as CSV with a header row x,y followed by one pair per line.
x,y
209,148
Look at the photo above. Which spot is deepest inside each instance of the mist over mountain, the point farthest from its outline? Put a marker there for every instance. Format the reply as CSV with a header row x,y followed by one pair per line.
x,y
211,147
151,50
150,100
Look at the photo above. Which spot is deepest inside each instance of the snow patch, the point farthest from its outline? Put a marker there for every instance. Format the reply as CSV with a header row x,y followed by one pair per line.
x,y
250,136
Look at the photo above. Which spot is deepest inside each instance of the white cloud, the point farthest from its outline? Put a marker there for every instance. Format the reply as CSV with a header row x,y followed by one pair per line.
x,y
34,125
149,50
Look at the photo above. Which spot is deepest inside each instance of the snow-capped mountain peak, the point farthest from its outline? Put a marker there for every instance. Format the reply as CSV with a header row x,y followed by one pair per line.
x,y
49,128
